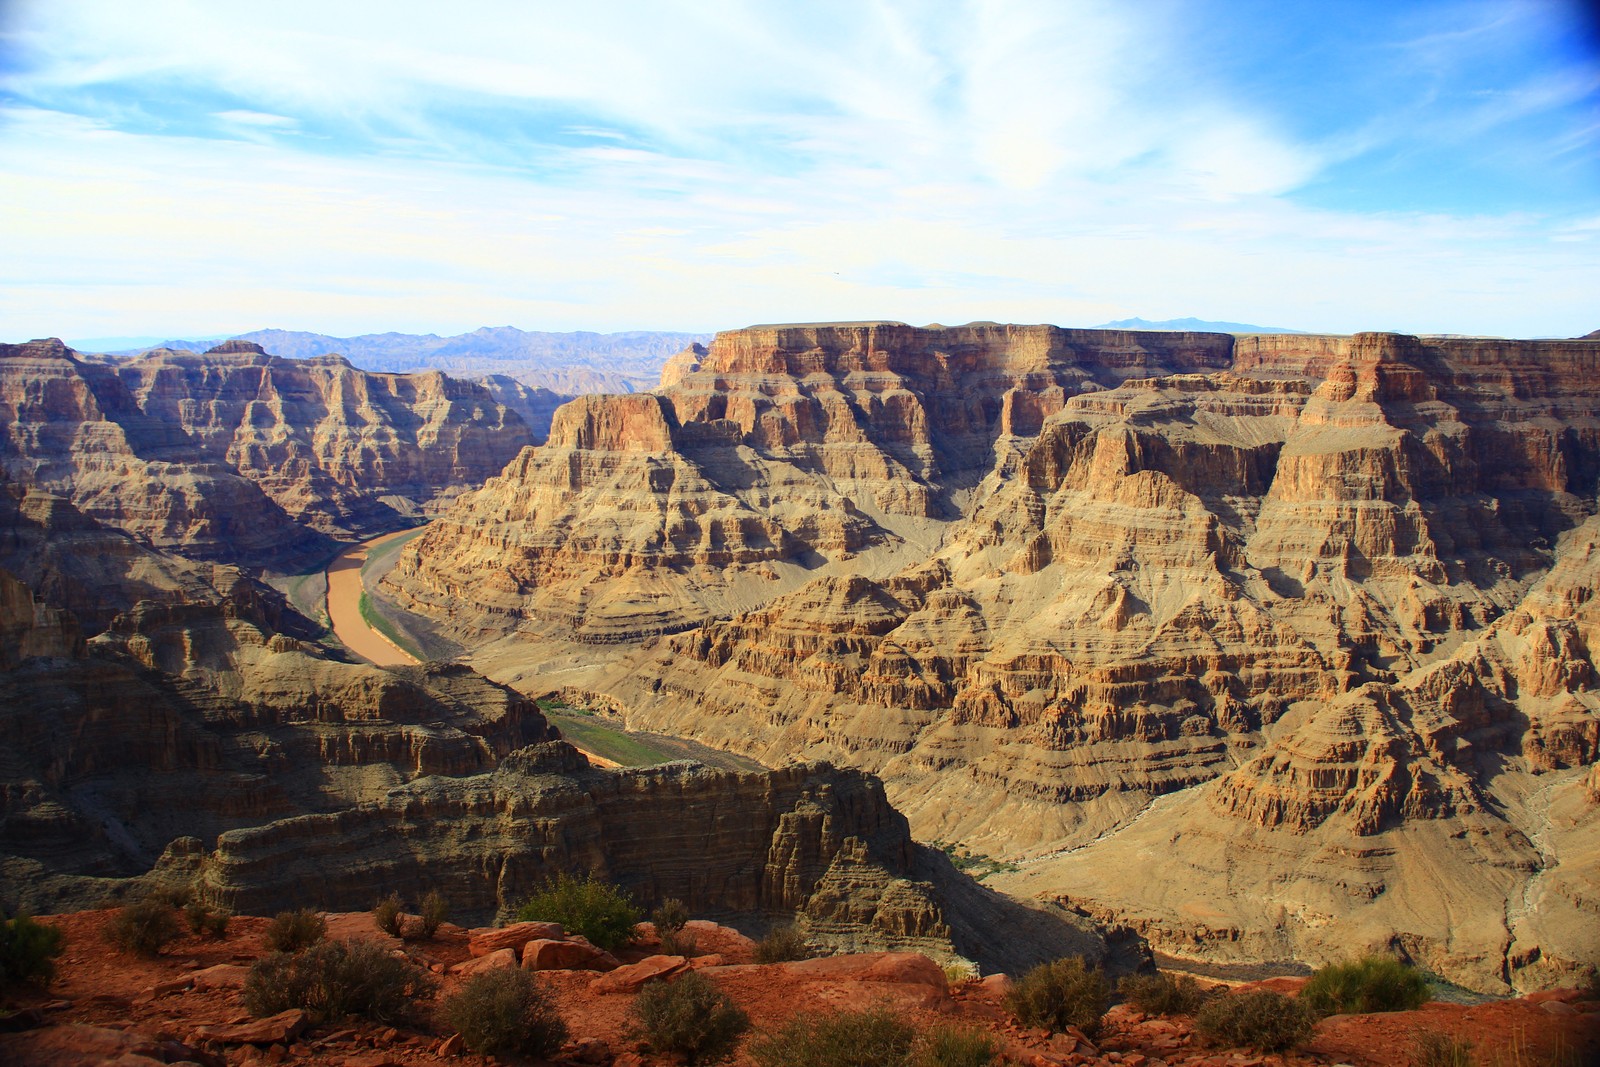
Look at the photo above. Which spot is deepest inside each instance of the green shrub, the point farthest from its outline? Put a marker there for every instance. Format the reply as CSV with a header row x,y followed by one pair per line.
x,y
143,927
679,943
670,916
1375,983
1059,994
506,1011
1429,1048
433,910
1267,1020
294,931
1161,994
27,951
875,1037
782,944
333,979
386,914
204,921
691,1017
947,1045
589,906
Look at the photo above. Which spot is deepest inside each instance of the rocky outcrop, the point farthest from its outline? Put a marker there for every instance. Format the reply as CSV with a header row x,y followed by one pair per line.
x,y
343,451
73,430
807,838
1315,592
189,720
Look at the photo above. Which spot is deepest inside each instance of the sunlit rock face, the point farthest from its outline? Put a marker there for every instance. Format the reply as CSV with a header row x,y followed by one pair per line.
x,y
1315,610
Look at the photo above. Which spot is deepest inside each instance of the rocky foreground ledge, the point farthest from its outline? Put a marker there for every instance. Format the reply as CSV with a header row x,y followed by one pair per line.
x,y
185,1006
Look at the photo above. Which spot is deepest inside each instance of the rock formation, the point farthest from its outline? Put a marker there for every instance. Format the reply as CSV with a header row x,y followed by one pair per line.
x,y
345,452
73,430
1308,615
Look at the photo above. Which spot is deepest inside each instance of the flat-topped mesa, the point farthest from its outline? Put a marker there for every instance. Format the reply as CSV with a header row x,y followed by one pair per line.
x,y
344,451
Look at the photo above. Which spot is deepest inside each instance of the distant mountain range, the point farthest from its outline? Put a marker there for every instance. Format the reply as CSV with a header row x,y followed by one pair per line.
x,y
564,363
1191,325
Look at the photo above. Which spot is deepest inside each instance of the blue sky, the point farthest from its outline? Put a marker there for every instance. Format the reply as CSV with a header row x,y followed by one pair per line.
x,y
189,168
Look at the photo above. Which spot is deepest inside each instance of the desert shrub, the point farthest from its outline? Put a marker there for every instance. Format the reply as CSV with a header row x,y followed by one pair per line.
x,y
1429,1048
173,896
947,1045
27,951
782,944
143,927
875,1037
386,914
1065,992
1375,983
506,1011
433,910
958,972
589,906
670,916
204,921
294,931
1161,994
333,979
679,943
1264,1019
690,1017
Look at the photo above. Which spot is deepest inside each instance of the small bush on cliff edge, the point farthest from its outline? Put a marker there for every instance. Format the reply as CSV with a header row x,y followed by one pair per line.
x,y
1371,984
332,979
1263,1019
782,944
1065,992
143,927
27,951
589,906
294,931
876,1037
506,1011
1161,994
690,1017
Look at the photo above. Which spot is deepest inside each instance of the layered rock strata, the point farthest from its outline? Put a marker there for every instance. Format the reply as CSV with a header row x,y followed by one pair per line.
x,y
1318,593
343,451
73,430
809,839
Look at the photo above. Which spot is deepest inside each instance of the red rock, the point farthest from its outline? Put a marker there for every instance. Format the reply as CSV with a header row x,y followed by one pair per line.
x,y
282,1027
75,1044
548,955
222,976
513,937
1559,1007
909,968
712,959
715,936
494,961
450,1046
631,978
995,985
629,1059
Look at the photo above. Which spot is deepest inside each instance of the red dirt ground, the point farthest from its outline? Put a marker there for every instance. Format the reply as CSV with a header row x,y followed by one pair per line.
x,y
109,1007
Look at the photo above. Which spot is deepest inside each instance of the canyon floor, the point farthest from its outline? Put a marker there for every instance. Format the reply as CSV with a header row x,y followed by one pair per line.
x,y
110,1007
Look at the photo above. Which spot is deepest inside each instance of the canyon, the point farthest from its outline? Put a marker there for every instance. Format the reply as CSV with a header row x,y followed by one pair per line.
x,y
1258,650
1303,622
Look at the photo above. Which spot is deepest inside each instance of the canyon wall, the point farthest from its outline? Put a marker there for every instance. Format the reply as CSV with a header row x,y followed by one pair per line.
x,y
345,452
1270,600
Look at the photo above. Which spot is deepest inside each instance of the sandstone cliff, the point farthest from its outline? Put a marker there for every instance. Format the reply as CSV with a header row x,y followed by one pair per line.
x,y
73,430
345,452
1269,600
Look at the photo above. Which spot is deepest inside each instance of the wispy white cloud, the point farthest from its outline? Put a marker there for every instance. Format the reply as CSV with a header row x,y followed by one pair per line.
x,y
373,165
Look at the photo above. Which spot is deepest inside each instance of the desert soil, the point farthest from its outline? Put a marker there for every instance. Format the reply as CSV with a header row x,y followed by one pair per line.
x,y
103,998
